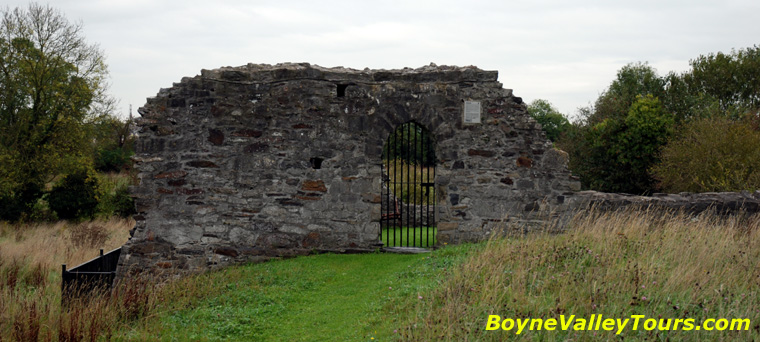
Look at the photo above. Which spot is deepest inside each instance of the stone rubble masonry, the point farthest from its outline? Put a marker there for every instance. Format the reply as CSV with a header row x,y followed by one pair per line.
x,y
720,203
249,163
227,161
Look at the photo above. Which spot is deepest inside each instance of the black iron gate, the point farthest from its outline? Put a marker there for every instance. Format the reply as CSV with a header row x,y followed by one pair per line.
x,y
408,192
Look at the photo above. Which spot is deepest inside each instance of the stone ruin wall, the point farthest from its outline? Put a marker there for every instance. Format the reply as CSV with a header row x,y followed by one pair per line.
x,y
226,162
720,203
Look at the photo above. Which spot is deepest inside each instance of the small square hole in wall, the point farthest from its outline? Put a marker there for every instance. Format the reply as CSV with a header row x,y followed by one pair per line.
x,y
342,90
316,163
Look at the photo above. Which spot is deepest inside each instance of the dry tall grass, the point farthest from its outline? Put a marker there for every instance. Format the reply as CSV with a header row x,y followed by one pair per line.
x,y
53,244
616,264
30,296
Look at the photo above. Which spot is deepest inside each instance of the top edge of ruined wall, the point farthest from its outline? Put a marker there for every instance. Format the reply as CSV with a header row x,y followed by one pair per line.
x,y
291,71
717,197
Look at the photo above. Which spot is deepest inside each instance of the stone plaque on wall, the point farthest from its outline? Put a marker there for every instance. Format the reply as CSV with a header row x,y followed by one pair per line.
x,y
471,113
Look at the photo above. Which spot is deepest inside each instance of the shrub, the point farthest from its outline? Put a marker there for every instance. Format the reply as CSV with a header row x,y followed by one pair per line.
x,y
115,199
123,203
41,212
15,203
76,196
712,154
113,159
10,209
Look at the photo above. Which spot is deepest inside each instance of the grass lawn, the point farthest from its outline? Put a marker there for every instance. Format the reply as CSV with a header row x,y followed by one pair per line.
x,y
408,237
315,298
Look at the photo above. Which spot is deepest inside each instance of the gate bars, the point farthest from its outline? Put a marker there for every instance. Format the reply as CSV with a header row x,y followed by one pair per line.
x,y
408,164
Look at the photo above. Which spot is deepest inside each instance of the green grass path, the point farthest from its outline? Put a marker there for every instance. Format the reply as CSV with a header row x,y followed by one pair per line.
x,y
409,237
348,304
361,297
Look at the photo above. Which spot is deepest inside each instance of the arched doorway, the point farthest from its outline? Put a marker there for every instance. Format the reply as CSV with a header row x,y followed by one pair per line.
x,y
408,188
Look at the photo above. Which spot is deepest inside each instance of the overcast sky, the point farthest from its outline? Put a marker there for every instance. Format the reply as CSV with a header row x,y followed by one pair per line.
x,y
563,51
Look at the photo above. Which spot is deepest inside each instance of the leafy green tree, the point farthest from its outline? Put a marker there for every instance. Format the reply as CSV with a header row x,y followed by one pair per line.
x,y
51,83
648,126
551,120
711,154
113,143
632,81
615,141
730,79
615,154
614,145
76,195
718,103
718,85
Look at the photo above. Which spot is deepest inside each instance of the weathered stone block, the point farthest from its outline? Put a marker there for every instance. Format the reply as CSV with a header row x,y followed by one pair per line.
x,y
202,164
447,226
249,133
176,182
312,240
555,159
574,186
524,162
185,191
151,247
481,153
314,185
228,251
276,240
525,184
256,147
171,175
216,136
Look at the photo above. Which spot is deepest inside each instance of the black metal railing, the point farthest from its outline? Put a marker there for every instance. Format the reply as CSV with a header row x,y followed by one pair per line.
x,y
98,273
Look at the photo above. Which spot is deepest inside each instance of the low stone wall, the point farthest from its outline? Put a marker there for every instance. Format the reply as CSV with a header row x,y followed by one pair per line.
x,y
721,203
556,218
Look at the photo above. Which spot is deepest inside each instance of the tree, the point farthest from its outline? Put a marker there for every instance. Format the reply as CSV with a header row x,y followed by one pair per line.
x,y
51,83
648,126
641,106
551,120
113,143
711,154
615,143
730,80
633,80
615,155
76,196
